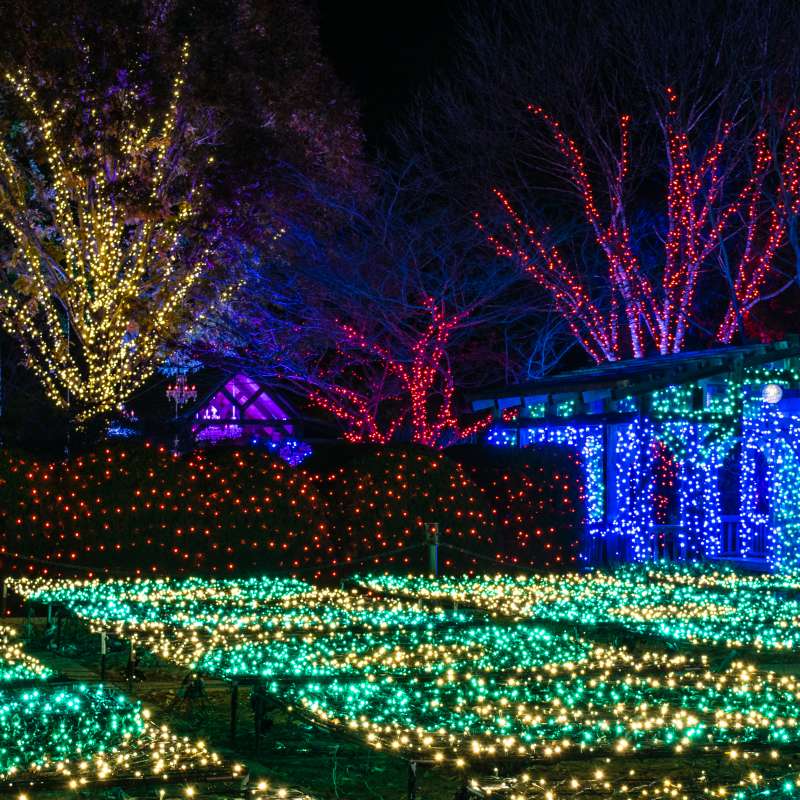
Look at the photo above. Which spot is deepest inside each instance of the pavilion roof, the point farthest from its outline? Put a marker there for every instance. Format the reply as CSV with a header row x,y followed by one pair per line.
x,y
636,377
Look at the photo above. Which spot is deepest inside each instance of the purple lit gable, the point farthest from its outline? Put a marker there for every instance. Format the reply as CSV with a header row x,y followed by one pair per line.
x,y
241,410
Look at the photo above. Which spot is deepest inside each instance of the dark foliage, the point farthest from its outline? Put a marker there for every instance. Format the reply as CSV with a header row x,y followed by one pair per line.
x,y
379,501
258,90
144,510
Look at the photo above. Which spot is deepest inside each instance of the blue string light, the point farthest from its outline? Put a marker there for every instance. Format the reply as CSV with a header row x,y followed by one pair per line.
x,y
739,424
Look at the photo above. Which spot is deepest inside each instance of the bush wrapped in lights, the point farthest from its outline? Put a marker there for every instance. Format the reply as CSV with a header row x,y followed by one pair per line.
x,y
15,664
537,499
379,501
490,505
60,723
143,510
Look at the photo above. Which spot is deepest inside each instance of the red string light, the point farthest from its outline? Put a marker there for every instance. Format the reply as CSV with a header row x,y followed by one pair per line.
x,y
145,511
698,218
426,388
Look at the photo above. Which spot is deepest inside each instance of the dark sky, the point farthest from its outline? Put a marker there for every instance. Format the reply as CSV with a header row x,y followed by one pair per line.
x,y
385,51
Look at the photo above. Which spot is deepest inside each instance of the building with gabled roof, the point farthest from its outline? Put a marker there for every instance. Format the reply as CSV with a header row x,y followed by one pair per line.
x,y
241,409
694,455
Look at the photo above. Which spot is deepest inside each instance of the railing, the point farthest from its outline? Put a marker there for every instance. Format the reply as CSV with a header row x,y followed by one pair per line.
x,y
672,543
732,541
598,550
666,543
731,536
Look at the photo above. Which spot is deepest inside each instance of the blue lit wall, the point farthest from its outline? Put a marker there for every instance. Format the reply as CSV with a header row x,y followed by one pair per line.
x,y
618,462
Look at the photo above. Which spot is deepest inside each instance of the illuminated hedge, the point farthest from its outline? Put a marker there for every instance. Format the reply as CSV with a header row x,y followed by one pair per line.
x,y
140,509
537,500
146,510
381,499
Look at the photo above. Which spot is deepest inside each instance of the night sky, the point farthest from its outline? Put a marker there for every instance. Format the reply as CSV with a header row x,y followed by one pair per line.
x,y
385,52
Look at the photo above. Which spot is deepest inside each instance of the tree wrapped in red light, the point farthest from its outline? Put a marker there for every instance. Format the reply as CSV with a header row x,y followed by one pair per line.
x,y
358,411
632,309
406,380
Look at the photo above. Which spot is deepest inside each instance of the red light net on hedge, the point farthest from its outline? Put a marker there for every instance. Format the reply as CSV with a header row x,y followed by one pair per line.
x,y
142,510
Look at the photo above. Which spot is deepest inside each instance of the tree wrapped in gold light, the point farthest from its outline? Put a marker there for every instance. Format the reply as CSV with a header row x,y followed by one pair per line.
x,y
100,271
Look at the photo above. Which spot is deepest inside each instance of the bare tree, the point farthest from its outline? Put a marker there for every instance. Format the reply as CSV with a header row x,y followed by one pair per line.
x,y
393,311
660,304
733,71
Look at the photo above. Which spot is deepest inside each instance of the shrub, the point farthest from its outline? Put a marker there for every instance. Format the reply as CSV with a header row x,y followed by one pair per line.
x,y
143,510
537,500
379,500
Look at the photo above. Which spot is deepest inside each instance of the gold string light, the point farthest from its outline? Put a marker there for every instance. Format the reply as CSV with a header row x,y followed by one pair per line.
x,y
98,293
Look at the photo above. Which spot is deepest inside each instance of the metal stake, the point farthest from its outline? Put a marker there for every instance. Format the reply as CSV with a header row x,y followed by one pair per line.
x,y
130,670
103,654
432,535
412,780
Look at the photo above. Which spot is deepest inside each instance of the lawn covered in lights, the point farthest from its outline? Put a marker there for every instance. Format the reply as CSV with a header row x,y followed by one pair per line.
x,y
464,672
680,604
